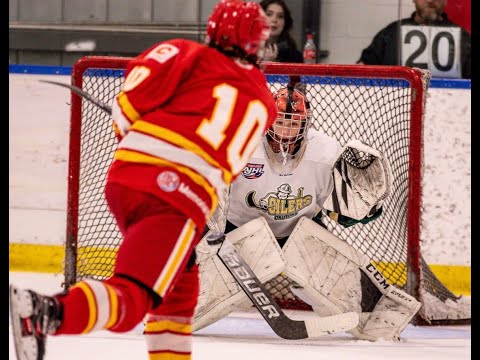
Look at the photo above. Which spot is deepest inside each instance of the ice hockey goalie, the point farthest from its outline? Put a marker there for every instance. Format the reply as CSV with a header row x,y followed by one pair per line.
x,y
327,273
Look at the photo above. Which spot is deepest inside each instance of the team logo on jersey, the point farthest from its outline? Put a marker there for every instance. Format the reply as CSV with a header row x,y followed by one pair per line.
x,y
281,204
168,181
253,171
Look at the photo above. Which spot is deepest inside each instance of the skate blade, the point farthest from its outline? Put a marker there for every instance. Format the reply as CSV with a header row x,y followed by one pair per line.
x,y
21,306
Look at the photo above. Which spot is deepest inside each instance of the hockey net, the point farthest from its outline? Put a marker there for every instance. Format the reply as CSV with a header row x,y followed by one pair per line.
x,y
380,105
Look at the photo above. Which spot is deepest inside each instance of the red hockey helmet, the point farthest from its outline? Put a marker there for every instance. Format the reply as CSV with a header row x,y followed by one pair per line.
x,y
237,24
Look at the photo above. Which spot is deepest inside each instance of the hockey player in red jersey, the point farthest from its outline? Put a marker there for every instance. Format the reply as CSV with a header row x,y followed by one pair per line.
x,y
188,118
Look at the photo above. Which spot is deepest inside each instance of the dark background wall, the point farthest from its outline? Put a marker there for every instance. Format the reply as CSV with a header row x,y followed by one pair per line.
x,y
58,32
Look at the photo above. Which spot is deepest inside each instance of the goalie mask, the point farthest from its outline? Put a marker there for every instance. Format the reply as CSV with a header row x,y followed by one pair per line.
x,y
286,140
238,29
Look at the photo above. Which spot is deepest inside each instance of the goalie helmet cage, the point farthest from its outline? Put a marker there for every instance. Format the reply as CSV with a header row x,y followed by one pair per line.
x,y
380,105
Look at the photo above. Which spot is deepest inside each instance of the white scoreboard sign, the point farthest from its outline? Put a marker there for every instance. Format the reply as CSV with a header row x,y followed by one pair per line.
x,y
434,48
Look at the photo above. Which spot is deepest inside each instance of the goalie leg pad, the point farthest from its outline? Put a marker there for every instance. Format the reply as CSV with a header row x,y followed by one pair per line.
x,y
391,314
335,278
220,294
326,270
389,318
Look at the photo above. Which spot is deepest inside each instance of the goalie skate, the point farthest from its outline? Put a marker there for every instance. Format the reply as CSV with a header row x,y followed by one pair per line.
x,y
33,317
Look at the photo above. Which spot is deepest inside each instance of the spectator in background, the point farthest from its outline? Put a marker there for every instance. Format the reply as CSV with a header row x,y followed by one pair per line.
x,y
384,49
281,47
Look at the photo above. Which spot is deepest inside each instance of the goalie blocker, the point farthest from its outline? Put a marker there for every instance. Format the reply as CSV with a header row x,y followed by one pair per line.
x,y
328,274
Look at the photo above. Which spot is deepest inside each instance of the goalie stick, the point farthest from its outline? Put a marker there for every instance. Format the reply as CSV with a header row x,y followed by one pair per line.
x,y
280,323
82,93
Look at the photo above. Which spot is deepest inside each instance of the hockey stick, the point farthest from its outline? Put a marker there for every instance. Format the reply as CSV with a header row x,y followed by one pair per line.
x,y
280,323
82,93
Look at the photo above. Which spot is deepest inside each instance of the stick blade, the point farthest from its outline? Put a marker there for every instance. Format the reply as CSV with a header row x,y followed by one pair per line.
x,y
331,324
54,82
81,93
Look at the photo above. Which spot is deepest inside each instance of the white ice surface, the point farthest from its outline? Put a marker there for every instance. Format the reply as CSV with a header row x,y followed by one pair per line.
x,y
246,336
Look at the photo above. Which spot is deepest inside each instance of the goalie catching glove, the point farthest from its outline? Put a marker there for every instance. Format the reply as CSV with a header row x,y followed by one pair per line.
x,y
361,182
334,278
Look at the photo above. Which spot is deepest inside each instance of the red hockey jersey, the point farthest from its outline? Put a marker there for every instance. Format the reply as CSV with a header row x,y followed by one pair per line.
x,y
188,119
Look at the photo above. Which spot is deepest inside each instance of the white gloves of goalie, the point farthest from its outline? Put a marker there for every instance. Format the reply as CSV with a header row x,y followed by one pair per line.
x,y
361,181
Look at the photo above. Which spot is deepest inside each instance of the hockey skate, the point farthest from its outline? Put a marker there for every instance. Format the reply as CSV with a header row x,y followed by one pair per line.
x,y
33,316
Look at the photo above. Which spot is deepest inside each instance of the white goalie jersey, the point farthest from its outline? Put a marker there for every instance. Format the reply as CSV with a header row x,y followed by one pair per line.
x,y
283,199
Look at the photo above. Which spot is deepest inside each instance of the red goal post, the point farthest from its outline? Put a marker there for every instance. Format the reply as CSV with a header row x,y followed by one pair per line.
x,y
381,105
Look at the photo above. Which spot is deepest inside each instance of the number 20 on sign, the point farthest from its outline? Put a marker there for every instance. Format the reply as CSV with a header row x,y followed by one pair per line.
x,y
432,47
